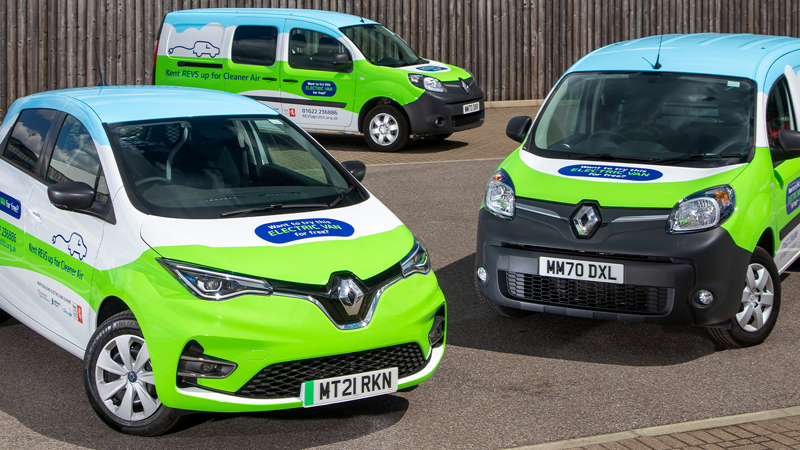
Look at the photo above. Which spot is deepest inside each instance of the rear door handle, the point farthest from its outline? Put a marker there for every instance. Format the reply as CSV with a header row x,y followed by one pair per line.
x,y
270,79
289,81
35,216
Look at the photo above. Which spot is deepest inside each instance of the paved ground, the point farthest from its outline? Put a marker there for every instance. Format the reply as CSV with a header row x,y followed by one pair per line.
x,y
503,383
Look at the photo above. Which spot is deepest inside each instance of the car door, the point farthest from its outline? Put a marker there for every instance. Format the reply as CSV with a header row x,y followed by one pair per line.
x,y
316,93
22,151
253,69
62,245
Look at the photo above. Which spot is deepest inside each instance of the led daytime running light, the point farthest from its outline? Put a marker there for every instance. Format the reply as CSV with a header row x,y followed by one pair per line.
x,y
209,284
417,260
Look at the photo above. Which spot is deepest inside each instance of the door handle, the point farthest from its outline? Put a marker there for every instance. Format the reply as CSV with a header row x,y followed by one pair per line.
x,y
269,79
289,81
35,216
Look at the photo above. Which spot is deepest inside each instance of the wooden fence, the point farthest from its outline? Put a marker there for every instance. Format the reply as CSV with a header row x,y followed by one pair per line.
x,y
516,49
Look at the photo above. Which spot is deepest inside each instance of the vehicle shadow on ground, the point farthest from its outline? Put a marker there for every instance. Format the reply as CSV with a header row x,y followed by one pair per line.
x,y
54,404
471,324
355,143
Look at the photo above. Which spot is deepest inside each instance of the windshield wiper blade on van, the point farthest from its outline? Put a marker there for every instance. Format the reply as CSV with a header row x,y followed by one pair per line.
x,y
341,197
608,157
273,206
699,157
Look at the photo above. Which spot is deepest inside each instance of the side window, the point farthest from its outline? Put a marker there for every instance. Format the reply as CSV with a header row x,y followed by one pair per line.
x,y
27,138
75,159
254,45
313,50
779,111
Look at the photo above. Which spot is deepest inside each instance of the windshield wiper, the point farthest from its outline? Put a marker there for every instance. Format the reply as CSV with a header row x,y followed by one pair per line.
x,y
700,157
273,206
340,197
609,157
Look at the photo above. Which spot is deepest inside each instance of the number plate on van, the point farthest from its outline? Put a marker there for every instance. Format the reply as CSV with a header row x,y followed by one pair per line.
x,y
349,387
581,270
472,107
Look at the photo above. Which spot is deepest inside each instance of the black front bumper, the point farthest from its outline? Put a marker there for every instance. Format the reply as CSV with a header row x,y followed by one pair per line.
x,y
443,112
662,272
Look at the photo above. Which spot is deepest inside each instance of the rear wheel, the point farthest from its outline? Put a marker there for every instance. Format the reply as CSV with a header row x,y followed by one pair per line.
x,y
385,129
119,382
760,305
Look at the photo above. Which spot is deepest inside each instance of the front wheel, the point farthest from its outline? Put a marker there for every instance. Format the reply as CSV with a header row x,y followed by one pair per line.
x,y
386,129
761,302
118,377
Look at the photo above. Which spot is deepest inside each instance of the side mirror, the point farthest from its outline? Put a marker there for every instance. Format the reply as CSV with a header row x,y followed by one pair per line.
x,y
71,195
518,127
341,60
356,168
789,142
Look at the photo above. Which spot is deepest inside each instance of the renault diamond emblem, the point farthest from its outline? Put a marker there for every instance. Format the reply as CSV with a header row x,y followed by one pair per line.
x,y
585,221
351,296
464,85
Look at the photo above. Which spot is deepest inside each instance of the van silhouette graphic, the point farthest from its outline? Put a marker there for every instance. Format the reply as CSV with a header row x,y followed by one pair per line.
x,y
75,245
199,49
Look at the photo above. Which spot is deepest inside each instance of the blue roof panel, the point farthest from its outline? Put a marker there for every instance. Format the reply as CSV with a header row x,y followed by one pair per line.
x,y
334,19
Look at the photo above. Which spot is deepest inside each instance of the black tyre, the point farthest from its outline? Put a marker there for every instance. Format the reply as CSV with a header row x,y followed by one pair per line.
x,y
761,302
118,378
385,129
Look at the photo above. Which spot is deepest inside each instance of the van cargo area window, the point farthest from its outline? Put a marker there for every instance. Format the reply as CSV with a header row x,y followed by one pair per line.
x,y
254,45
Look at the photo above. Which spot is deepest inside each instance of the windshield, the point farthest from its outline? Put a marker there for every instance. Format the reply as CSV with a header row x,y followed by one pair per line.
x,y
211,167
381,47
656,118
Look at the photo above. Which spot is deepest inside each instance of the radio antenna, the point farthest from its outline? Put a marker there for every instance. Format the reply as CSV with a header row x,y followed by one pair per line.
x,y
657,65
99,68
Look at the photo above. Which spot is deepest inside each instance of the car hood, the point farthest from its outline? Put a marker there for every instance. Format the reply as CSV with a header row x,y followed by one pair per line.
x,y
610,184
436,69
365,239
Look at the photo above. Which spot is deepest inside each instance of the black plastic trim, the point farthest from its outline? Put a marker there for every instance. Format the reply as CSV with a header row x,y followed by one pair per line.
x,y
200,65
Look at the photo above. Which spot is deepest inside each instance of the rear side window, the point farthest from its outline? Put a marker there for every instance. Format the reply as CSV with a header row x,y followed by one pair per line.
x,y
28,136
255,45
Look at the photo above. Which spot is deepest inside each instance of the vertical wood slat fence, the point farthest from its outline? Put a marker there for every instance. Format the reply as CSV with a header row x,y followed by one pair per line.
x,y
516,49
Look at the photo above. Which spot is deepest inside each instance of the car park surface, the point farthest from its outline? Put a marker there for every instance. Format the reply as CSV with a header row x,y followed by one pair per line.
x,y
502,383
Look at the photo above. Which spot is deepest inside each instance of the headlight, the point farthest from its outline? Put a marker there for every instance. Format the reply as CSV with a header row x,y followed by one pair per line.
x,y
499,198
210,284
426,82
417,260
702,210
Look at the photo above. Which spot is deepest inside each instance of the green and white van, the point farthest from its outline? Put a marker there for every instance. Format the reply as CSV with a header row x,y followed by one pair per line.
x,y
659,183
324,70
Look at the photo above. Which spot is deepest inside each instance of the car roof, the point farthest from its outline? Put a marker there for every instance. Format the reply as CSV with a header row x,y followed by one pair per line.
x,y
332,18
114,104
736,55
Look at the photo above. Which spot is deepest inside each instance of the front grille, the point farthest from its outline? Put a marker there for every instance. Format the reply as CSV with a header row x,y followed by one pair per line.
x,y
467,119
624,298
584,253
283,380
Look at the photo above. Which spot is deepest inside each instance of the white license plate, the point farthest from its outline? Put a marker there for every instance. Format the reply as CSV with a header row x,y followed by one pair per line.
x,y
472,107
581,270
349,387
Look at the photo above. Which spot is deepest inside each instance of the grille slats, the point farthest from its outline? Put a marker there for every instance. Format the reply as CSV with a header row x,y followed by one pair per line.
x,y
467,119
625,298
283,380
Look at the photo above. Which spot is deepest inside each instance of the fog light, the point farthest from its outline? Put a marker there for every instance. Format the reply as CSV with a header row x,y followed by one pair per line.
x,y
194,363
440,121
436,335
705,297
481,274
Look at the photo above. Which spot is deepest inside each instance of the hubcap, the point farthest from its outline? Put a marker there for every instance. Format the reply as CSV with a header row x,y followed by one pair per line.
x,y
383,129
757,299
124,378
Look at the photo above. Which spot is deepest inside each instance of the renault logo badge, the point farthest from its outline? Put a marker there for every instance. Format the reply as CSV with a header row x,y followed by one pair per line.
x,y
585,221
351,296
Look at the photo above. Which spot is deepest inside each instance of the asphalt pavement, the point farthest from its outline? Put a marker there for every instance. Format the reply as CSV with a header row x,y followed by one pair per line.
x,y
542,380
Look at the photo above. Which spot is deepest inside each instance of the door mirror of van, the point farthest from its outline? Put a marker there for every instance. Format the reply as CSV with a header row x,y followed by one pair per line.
x,y
789,142
518,127
341,60
71,195
356,168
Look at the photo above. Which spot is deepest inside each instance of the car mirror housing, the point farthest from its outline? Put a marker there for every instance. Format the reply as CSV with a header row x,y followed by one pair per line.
x,y
356,168
341,60
518,127
789,142
71,195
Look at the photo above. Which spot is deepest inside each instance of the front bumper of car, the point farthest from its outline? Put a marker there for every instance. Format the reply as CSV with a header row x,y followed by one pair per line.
x,y
281,333
443,112
663,273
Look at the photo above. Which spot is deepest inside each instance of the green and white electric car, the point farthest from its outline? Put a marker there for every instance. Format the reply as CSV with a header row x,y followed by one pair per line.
x,y
660,183
200,252
323,70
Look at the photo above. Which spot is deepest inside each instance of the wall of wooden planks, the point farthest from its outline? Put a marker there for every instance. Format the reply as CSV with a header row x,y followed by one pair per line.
x,y
516,49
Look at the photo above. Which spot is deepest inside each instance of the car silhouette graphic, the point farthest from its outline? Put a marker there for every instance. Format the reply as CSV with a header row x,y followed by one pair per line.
x,y
199,49
75,245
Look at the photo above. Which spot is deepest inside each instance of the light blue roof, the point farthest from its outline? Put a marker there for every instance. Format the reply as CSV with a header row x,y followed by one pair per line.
x,y
331,18
735,55
132,103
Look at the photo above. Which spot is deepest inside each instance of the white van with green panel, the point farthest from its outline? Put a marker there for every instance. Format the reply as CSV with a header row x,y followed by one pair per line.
x,y
324,70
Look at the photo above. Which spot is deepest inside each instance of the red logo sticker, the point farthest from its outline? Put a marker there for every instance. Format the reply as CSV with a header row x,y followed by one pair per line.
x,y
80,314
291,112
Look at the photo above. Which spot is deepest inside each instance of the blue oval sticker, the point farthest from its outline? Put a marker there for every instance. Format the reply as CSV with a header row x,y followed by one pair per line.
x,y
610,172
293,230
319,88
432,68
